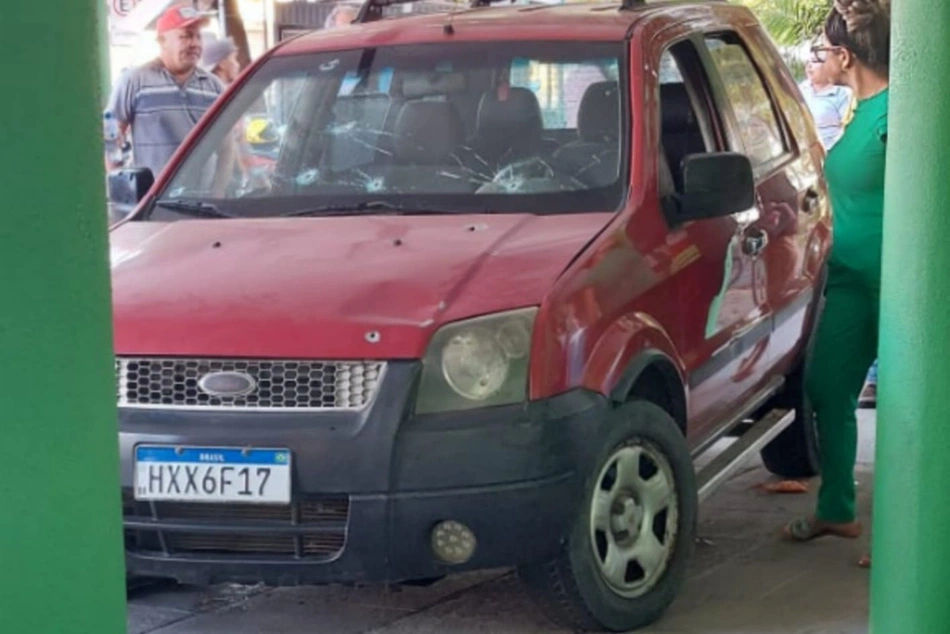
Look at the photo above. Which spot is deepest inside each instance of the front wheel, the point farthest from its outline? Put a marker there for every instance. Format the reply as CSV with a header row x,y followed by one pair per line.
x,y
626,556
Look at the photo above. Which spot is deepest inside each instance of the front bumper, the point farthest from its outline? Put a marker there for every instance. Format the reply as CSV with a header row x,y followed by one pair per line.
x,y
368,488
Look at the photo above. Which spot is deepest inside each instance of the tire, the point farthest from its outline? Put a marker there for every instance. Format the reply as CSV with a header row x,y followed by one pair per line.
x,y
575,589
794,453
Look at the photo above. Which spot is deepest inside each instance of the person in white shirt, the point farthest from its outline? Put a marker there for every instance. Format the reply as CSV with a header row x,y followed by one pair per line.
x,y
829,104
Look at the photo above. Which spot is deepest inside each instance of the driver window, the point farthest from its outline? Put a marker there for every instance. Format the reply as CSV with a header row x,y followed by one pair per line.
x,y
685,120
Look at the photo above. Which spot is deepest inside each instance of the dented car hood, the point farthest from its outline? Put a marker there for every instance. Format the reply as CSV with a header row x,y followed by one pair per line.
x,y
328,288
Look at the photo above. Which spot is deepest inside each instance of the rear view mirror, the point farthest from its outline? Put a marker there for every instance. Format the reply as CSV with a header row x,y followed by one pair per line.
x,y
128,187
715,185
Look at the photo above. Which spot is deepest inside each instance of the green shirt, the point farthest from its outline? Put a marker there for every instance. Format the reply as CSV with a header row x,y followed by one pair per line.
x,y
854,169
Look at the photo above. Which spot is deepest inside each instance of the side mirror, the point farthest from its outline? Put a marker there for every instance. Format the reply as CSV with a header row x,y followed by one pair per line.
x,y
715,185
128,187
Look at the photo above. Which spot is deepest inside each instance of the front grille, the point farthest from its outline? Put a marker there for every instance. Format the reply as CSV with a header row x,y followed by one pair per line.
x,y
291,385
319,546
311,528
309,511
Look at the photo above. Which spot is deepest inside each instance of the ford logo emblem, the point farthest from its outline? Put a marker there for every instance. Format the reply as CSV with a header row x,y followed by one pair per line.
x,y
227,384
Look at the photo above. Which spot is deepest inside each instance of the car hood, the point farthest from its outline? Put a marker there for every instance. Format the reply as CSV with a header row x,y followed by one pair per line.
x,y
328,288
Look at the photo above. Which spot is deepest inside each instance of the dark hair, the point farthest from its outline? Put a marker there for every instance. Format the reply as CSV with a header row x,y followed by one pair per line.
x,y
864,28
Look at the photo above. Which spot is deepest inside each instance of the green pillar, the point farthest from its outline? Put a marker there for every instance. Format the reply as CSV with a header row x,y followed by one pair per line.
x,y
105,66
911,568
61,560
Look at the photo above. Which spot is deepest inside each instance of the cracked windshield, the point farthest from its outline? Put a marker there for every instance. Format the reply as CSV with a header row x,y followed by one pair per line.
x,y
488,127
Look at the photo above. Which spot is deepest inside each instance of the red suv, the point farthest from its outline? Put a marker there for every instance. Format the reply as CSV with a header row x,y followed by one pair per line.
x,y
507,273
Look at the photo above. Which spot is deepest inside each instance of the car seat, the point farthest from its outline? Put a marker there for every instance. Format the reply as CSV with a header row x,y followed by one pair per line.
x,y
428,134
508,128
681,134
595,156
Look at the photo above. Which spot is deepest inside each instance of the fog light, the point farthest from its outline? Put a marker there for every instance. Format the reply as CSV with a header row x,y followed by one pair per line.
x,y
453,542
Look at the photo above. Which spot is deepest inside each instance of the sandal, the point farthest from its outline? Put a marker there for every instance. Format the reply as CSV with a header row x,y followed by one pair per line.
x,y
805,529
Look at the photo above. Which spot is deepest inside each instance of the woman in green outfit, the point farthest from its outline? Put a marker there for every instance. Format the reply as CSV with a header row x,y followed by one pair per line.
x,y
855,51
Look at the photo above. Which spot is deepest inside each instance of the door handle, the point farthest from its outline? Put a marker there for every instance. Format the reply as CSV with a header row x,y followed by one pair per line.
x,y
754,241
810,200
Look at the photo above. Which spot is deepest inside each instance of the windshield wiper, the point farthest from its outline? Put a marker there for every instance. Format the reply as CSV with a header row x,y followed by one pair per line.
x,y
193,208
346,210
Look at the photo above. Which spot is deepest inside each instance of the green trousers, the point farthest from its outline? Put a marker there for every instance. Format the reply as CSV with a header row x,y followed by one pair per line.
x,y
845,348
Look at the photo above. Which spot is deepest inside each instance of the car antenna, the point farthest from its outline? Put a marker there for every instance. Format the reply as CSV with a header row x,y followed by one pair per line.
x,y
371,11
448,28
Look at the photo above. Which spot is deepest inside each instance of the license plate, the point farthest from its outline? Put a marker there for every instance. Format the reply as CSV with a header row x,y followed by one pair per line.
x,y
212,474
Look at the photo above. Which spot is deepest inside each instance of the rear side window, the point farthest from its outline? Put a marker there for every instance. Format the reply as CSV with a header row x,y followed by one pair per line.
x,y
758,125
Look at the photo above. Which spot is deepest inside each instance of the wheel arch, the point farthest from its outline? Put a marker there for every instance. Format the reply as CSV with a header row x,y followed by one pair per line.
x,y
653,376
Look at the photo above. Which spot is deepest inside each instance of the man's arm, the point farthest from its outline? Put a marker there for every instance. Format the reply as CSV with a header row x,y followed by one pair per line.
x,y
227,152
224,169
121,106
119,143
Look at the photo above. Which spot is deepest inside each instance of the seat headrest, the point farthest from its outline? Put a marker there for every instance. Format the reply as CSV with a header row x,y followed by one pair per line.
x,y
676,110
427,132
598,118
515,116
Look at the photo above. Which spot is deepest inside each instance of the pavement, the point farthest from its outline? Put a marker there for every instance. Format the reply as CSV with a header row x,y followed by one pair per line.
x,y
743,580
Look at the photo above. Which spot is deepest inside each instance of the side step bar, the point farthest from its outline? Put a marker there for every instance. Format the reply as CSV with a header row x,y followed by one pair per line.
x,y
713,475
758,400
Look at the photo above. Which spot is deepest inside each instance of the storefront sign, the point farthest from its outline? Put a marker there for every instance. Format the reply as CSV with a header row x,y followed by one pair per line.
x,y
121,8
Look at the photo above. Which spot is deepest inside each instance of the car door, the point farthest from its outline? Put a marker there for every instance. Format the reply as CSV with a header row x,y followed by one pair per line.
x,y
787,189
722,324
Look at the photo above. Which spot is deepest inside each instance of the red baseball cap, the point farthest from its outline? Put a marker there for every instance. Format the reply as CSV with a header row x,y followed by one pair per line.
x,y
179,17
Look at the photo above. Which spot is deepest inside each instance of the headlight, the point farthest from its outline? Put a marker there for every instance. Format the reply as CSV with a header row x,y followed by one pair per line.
x,y
474,364
479,362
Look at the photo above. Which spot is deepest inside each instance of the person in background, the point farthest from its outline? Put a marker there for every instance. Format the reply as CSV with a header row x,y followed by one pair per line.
x,y
829,104
868,398
832,108
341,15
160,102
220,58
856,53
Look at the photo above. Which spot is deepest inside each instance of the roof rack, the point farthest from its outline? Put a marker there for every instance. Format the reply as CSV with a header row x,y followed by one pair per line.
x,y
373,9
487,3
638,4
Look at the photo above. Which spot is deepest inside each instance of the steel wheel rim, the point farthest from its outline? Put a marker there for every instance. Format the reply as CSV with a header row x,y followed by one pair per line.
x,y
634,516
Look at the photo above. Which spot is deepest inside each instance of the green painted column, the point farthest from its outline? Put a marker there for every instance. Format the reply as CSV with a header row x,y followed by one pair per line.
x,y
61,559
911,544
105,66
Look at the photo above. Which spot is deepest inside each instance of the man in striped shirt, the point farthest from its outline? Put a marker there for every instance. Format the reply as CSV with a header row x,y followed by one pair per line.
x,y
162,101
